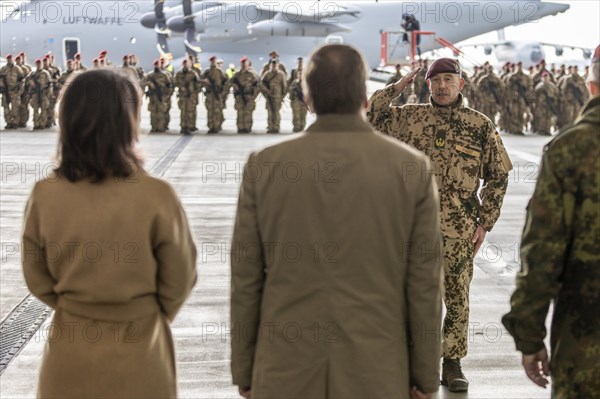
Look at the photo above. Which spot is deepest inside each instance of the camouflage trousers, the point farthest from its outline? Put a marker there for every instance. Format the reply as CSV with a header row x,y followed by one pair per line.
x,y
274,113
214,112
542,121
158,115
489,109
568,113
515,121
575,378
244,113
458,273
187,106
11,109
299,112
24,111
49,112
167,103
39,108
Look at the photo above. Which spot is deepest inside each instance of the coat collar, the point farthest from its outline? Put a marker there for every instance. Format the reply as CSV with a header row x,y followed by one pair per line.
x,y
340,123
447,110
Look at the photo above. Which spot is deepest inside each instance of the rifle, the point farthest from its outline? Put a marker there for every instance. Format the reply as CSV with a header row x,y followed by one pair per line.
x,y
240,91
298,91
270,102
155,90
550,104
522,92
213,88
576,92
38,92
5,89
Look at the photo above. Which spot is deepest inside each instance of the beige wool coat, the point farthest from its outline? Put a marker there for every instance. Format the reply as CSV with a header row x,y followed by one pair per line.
x,y
336,267
116,261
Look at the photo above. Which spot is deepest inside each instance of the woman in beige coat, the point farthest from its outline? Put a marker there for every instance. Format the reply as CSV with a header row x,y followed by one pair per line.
x,y
108,247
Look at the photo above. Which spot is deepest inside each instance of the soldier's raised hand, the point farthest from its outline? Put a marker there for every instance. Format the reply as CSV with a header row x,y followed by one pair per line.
x,y
403,83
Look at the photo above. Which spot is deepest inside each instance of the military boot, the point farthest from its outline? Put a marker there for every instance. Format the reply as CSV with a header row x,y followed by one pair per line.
x,y
453,377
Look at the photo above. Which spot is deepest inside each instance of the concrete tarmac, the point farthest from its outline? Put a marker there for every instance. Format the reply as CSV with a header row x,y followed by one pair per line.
x,y
206,175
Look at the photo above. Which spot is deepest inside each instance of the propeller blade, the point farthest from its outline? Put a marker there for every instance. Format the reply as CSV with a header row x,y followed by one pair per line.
x,y
191,45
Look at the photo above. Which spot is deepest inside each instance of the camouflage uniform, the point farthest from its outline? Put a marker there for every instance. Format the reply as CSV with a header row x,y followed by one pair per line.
x,y
518,89
11,79
39,85
159,88
403,97
63,79
545,108
267,68
420,87
216,88
187,83
537,77
273,87
573,94
53,96
24,107
245,90
560,261
167,98
505,105
489,92
299,109
464,147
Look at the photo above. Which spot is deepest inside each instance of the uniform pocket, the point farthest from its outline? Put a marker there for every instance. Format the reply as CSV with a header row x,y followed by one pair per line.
x,y
464,168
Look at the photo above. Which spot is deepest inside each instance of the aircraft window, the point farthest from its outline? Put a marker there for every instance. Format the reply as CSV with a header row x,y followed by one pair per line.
x,y
133,40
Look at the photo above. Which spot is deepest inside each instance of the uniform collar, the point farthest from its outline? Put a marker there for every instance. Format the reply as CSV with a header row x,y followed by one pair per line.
x,y
340,123
447,110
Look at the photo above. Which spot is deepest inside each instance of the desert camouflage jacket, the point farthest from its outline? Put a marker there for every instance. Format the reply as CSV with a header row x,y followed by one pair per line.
x,y
463,146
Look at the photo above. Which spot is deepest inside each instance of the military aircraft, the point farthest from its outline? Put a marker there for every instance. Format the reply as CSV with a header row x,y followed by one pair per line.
x,y
530,53
232,29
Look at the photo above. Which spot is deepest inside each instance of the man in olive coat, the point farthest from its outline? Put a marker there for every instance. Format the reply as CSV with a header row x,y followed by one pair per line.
x,y
336,265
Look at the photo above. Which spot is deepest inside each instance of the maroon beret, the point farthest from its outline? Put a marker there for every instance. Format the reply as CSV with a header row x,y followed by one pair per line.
x,y
443,65
214,57
243,59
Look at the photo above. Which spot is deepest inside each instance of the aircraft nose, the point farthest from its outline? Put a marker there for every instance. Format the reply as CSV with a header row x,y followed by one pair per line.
x,y
177,23
148,20
552,8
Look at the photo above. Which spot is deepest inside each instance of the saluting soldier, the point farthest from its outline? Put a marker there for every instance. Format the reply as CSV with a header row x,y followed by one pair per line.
x,y
272,85
11,81
545,107
158,86
245,90
24,106
465,148
216,87
39,85
187,83
273,56
299,109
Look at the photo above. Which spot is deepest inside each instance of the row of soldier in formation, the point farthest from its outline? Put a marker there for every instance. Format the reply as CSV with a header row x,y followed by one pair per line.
x,y
24,87
540,101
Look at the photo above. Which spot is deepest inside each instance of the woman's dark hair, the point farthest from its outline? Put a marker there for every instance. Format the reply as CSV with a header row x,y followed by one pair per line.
x,y
99,124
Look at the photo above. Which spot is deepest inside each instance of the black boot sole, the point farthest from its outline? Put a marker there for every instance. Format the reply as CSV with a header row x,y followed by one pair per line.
x,y
457,386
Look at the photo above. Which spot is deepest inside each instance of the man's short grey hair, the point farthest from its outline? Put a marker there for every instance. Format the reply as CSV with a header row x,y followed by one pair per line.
x,y
335,80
